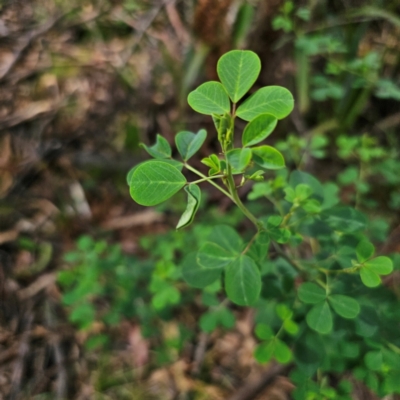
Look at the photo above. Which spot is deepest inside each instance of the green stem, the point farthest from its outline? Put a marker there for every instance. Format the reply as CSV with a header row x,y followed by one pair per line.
x,y
236,199
247,248
194,170
207,179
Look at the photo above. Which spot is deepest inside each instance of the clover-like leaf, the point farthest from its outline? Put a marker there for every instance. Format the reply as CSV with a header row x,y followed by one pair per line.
x,y
345,306
239,159
161,149
371,270
193,202
238,70
196,275
319,318
188,143
273,348
267,157
243,281
311,293
264,332
153,182
380,265
217,317
365,250
258,129
209,98
274,100
369,278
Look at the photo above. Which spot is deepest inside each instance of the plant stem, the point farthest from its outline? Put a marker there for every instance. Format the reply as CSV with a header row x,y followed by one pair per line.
x,y
236,198
206,179
194,170
250,243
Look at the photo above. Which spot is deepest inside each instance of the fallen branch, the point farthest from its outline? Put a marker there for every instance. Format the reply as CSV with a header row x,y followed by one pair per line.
x,y
253,387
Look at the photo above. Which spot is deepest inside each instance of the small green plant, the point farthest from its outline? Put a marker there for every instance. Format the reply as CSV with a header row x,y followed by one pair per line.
x,y
308,270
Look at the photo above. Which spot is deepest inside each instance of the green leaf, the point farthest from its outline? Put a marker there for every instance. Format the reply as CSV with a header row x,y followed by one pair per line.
x,y
290,327
274,100
319,318
300,177
273,348
369,278
311,293
303,191
258,129
154,182
345,306
211,319
213,256
161,149
264,332
227,238
177,164
264,351
239,159
344,219
238,70
188,143
380,265
267,157
242,281
371,270
214,163
283,311
282,352
365,250
169,295
209,98
374,360
196,275
194,197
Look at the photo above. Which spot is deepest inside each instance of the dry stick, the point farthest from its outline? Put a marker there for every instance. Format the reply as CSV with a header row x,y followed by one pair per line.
x,y
29,38
19,366
251,389
199,353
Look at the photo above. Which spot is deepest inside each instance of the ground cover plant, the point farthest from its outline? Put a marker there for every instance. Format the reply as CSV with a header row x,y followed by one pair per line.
x,y
309,269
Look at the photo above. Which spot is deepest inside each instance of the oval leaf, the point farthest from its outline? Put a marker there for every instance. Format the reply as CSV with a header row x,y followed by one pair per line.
x,y
282,352
176,164
227,238
238,70
239,159
243,281
258,129
195,275
188,143
369,278
380,265
268,157
319,318
209,98
264,332
213,256
311,293
345,306
154,182
274,100
161,149
365,250
193,202
264,351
